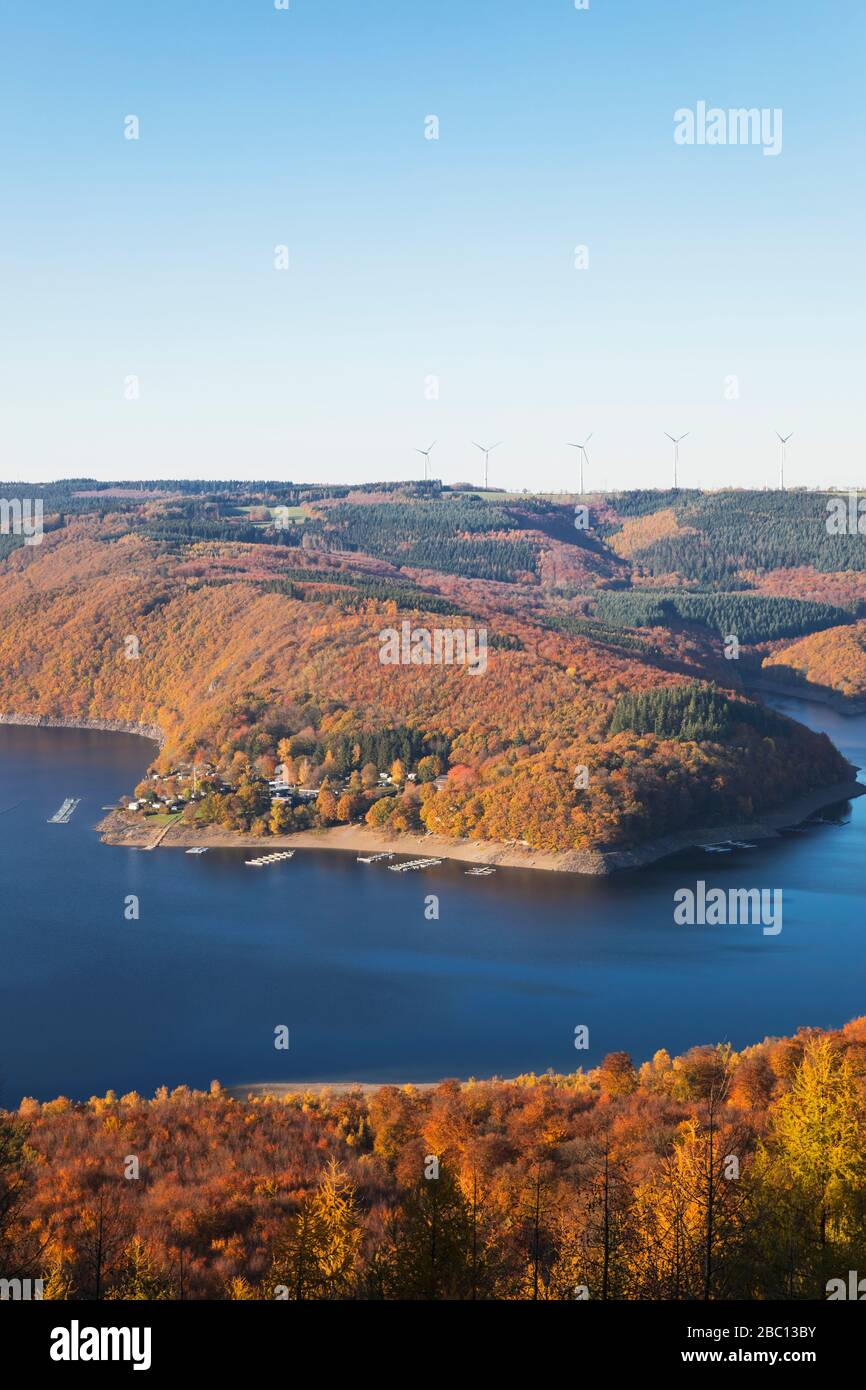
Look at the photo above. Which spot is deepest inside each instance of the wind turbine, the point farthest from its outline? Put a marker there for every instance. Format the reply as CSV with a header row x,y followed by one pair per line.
x,y
783,440
486,452
584,457
676,443
426,453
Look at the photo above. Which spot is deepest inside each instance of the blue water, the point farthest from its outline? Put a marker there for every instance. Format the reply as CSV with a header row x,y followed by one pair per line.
x,y
341,953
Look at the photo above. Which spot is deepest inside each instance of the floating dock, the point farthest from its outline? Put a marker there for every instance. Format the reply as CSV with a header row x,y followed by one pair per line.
x,y
413,864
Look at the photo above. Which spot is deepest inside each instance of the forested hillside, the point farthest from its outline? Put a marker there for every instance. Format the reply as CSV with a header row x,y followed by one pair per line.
x,y
833,660
718,1174
711,538
246,622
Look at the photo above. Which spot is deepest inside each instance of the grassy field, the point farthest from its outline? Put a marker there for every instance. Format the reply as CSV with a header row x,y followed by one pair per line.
x,y
288,513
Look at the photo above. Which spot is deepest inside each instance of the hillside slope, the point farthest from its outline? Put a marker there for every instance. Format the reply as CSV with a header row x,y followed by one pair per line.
x,y
250,653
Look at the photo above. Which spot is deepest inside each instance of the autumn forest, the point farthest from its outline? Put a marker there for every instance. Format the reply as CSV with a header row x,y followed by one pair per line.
x,y
244,624
627,638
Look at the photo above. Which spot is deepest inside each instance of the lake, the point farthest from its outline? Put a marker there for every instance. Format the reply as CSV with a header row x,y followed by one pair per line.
x,y
341,953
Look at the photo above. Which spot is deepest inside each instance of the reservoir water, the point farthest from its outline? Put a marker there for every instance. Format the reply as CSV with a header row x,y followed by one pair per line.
x,y
343,955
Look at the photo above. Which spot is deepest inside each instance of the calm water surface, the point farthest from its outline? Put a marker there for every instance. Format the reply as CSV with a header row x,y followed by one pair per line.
x,y
341,952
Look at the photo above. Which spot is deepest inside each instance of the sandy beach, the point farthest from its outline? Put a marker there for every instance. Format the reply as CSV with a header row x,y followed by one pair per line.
x,y
135,832
258,1090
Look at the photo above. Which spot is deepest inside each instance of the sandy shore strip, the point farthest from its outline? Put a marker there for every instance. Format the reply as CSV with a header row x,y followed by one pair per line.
x,y
132,831
258,1090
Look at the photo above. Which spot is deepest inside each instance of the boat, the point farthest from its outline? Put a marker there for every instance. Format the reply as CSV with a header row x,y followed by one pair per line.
x,y
716,849
197,851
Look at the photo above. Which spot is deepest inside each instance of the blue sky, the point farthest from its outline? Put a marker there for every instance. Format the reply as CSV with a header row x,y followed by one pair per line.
x,y
413,259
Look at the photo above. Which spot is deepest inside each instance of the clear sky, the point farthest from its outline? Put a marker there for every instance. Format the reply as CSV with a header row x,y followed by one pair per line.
x,y
412,258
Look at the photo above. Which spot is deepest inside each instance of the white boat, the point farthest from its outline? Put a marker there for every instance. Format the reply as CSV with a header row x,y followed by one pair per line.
x,y
197,851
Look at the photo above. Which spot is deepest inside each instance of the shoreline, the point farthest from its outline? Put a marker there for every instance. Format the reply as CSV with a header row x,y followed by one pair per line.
x,y
120,829
102,726
279,1090
851,705
127,830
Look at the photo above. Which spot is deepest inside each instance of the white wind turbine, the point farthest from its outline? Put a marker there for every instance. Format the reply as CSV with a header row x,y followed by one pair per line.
x,y
426,453
783,442
676,441
584,457
486,452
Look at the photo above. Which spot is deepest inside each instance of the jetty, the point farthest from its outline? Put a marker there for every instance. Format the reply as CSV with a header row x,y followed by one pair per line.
x,y
413,864
160,836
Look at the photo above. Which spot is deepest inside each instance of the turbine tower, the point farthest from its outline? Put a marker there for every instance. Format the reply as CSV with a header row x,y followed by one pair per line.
x,y
676,440
584,457
486,452
426,453
783,441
